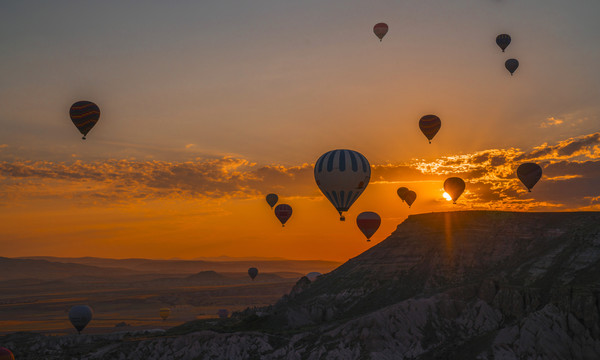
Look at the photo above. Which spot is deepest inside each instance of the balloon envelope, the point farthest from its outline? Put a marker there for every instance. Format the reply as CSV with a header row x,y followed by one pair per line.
x,y
410,197
503,40
283,213
402,193
223,313
164,313
85,115
529,174
454,186
312,276
272,199
368,222
252,272
6,354
80,316
380,30
342,175
511,65
430,125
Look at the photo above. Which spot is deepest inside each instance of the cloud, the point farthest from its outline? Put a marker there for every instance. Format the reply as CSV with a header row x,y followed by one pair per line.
x,y
571,171
551,121
3,146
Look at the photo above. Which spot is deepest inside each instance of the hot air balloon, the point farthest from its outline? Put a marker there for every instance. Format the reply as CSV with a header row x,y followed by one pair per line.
x,y
6,354
272,199
223,313
454,186
85,115
80,316
503,40
430,125
283,213
312,276
410,197
402,193
342,175
164,313
368,222
380,30
511,65
529,174
252,272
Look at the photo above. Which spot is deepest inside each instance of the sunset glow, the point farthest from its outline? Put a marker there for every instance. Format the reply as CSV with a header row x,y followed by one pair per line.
x,y
205,109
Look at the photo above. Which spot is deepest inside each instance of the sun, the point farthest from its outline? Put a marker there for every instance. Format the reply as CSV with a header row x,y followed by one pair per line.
x,y
447,196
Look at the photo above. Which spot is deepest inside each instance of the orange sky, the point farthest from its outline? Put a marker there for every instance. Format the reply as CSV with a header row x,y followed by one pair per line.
x,y
208,106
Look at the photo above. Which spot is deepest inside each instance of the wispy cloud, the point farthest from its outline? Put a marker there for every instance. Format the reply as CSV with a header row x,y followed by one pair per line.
x,y
551,121
571,171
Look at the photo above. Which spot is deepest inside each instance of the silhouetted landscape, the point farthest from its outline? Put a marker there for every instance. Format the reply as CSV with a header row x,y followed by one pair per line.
x,y
37,292
452,285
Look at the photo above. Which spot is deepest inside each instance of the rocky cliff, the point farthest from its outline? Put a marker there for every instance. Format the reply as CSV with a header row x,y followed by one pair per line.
x,y
456,285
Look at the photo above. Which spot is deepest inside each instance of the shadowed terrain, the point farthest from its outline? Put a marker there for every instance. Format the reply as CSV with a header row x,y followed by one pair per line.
x,y
456,285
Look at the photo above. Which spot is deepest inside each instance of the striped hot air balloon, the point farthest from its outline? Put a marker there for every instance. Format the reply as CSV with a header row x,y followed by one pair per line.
x,y
283,213
430,125
164,313
6,354
368,222
503,40
511,65
85,115
272,199
380,30
342,175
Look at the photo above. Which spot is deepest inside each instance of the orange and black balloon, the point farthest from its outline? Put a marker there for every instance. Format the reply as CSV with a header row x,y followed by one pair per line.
x,y
85,115
430,125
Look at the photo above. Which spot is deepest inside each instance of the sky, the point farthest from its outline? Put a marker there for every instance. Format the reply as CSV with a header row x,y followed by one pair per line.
x,y
208,106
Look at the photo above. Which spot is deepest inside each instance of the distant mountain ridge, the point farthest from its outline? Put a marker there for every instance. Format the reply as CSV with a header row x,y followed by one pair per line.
x,y
194,266
455,285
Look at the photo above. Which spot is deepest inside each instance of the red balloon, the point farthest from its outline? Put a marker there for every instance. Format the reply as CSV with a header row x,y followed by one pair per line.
x,y
380,30
283,213
6,354
368,222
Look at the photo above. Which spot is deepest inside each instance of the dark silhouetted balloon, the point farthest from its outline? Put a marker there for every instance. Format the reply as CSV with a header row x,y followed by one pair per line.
x,y
312,276
80,316
283,213
430,125
402,193
410,197
503,40
252,272
342,175
380,30
368,222
85,115
511,65
223,313
6,354
164,313
454,186
529,174
272,199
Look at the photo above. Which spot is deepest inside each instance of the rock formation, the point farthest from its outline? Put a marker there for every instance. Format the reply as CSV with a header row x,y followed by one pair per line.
x,y
456,285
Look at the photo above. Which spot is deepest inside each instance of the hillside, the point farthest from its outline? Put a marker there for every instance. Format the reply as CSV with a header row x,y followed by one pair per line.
x,y
456,285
